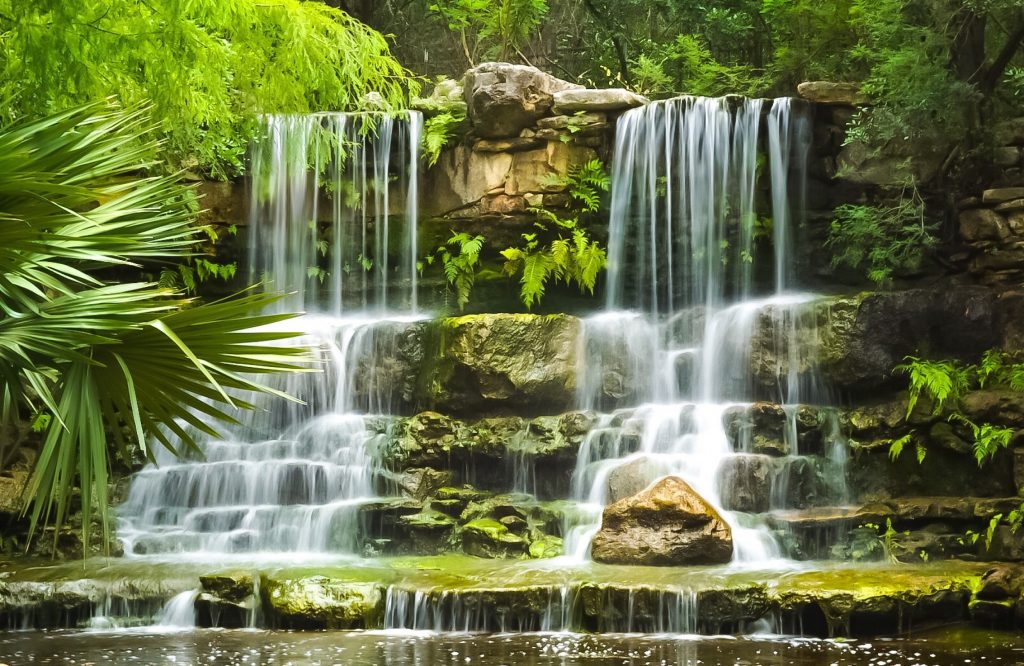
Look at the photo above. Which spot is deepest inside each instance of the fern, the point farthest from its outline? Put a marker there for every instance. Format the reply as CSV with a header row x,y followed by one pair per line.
x,y
438,132
896,448
988,439
460,267
940,381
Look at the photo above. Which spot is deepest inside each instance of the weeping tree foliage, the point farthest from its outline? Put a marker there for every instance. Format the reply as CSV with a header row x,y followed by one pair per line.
x,y
112,365
207,66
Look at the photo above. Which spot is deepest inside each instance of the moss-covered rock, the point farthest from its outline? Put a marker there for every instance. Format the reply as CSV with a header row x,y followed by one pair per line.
x,y
318,602
546,546
485,537
500,362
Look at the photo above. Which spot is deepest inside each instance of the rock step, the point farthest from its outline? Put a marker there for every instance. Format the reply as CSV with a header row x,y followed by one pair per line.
x,y
901,511
458,594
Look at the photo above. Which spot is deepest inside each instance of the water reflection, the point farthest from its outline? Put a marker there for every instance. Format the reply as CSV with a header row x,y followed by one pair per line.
x,y
421,648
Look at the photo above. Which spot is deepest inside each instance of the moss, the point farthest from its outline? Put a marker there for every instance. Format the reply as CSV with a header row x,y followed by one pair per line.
x,y
319,602
546,546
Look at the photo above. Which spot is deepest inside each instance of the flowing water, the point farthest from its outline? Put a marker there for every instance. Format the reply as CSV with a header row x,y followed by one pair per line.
x,y
685,248
334,223
698,326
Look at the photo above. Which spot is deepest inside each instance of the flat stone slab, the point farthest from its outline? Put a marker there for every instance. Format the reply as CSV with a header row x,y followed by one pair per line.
x,y
459,593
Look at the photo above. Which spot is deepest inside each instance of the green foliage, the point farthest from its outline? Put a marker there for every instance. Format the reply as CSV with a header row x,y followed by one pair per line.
x,y
112,365
494,29
882,240
915,96
460,268
572,257
574,260
944,383
208,67
687,65
438,132
988,439
939,381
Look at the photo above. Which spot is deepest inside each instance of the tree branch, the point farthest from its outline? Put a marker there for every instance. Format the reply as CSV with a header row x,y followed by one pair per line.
x,y
994,72
620,49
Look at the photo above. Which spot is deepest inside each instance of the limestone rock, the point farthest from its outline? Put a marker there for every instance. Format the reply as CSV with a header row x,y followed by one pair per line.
x,y
447,96
983,224
511,360
12,488
420,483
746,480
666,525
513,145
832,92
504,99
318,602
1002,195
608,99
1012,206
234,586
579,120
862,339
631,478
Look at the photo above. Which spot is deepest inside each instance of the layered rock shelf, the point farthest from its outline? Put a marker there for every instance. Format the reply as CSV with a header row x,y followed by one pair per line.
x,y
464,594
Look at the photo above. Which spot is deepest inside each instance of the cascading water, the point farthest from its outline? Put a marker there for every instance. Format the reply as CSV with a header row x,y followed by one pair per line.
x,y
334,212
684,262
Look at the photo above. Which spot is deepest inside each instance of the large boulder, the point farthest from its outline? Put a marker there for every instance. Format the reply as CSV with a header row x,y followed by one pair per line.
x,y
504,99
667,525
502,362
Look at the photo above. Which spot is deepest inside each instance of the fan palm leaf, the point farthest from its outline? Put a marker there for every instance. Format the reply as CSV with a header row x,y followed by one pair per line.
x,y
114,365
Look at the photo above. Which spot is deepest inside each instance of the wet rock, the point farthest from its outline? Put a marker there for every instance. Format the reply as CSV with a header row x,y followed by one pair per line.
x,y
12,489
318,602
421,483
234,586
992,614
502,361
666,525
546,546
746,480
1000,406
724,609
631,478
608,99
863,339
504,99
942,434
488,538
1001,582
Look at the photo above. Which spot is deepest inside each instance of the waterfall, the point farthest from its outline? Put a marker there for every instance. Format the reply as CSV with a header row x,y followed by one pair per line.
x,y
691,306
333,224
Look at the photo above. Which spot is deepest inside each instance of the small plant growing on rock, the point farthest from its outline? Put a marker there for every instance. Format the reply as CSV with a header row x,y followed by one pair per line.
x,y
572,257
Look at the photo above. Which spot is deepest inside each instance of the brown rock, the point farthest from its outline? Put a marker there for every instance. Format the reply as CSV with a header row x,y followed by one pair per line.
x,y
1010,132
609,99
668,524
513,145
983,224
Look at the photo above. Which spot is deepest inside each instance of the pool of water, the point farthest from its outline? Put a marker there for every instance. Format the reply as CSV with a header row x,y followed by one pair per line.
x,y
248,648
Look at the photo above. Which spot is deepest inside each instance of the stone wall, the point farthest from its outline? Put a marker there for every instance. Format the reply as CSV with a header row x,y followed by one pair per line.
x,y
991,224
526,130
